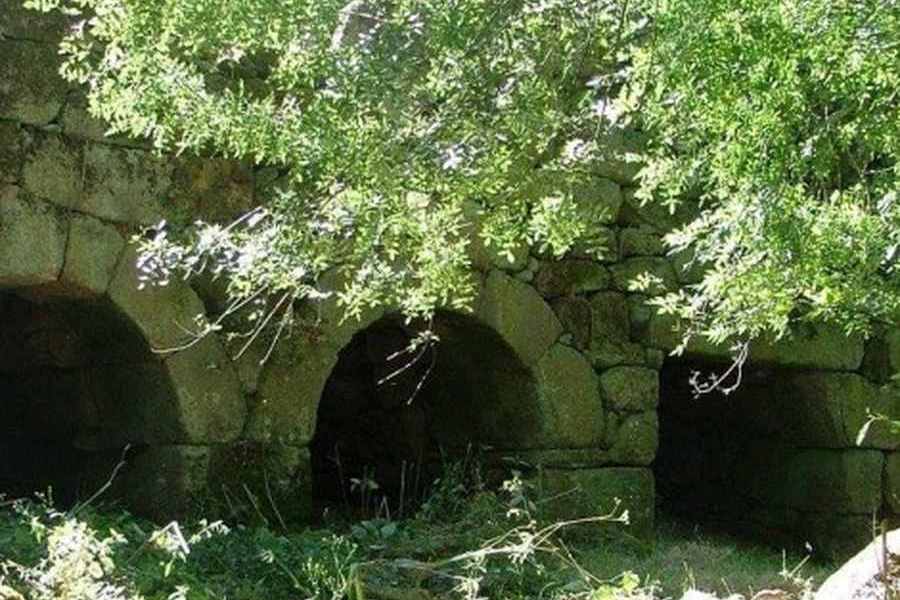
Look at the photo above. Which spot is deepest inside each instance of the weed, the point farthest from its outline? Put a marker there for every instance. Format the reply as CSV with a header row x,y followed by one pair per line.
x,y
465,543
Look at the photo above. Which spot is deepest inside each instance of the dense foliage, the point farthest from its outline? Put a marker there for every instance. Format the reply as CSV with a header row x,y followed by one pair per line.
x,y
386,128
782,119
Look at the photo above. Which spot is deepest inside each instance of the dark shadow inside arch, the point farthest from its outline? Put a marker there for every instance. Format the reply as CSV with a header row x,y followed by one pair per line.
x,y
75,378
717,467
394,421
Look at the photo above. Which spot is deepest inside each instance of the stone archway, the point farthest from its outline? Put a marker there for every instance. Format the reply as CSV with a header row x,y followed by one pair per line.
x,y
392,416
80,373
540,393
783,459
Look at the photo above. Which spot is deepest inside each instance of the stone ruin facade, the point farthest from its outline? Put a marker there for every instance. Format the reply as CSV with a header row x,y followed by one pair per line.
x,y
559,367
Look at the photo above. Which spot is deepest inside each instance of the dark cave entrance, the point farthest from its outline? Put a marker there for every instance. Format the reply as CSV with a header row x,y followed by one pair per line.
x,y
709,444
70,373
394,418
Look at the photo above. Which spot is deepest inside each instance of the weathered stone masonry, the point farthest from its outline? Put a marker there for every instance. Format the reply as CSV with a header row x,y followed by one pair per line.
x,y
201,424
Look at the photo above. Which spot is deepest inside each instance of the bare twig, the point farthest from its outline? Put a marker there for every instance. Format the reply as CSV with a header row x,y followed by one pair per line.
x,y
119,466
718,382
272,502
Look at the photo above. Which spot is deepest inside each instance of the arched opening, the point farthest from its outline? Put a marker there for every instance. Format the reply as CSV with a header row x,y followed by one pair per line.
x,y
391,416
703,440
75,376
777,461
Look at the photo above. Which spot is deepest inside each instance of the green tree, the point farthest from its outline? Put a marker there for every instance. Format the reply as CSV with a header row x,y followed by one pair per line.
x,y
388,127
390,124
780,120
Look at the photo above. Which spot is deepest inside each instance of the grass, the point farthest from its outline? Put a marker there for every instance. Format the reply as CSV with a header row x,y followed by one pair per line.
x,y
687,556
325,563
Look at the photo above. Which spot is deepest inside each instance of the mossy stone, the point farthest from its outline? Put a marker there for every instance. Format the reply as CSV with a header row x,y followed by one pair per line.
x,y
640,241
569,395
518,313
815,480
636,439
576,317
31,91
568,277
20,23
631,389
626,272
211,407
92,254
13,142
32,241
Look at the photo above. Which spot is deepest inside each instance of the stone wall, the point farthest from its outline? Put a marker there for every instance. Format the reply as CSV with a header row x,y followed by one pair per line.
x,y
71,197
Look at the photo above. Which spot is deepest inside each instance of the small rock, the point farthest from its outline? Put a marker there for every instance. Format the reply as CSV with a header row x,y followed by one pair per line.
x,y
698,595
859,578
771,595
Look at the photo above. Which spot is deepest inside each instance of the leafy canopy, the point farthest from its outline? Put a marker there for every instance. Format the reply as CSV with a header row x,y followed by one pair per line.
x,y
781,120
387,128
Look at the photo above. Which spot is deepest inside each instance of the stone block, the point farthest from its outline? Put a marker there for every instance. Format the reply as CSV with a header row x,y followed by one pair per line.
x,y
585,493
892,482
32,241
576,317
518,313
611,331
882,356
211,407
570,406
288,396
829,410
78,123
13,142
625,272
610,317
92,255
163,314
567,277
821,481
31,91
53,170
686,269
603,196
166,482
616,145
220,190
631,389
600,244
608,353
816,347
820,347
640,241
279,477
124,185
636,439
835,537
19,23
598,199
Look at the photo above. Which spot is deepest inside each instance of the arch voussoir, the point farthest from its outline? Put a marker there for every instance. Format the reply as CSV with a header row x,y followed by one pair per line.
x,y
33,241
